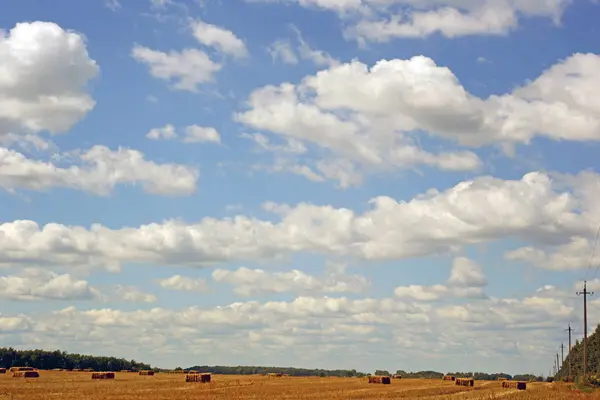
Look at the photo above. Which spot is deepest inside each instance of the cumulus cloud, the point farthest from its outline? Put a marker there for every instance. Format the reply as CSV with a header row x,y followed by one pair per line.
x,y
44,73
134,294
289,328
35,284
184,70
572,255
381,21
97,170
365,119
478,211
166,132
466,280
220,38
191,134
190,68
251,282
182,283
283,50
201,134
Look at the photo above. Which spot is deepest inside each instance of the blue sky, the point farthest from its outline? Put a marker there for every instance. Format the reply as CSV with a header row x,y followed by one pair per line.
x,y
257,180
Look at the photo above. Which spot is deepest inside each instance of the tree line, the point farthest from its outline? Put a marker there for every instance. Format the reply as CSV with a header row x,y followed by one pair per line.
x,y
257,370
350,373
479,376
575,357
42,359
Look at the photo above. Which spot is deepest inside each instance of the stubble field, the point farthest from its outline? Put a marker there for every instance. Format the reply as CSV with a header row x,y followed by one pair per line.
x,y
129,386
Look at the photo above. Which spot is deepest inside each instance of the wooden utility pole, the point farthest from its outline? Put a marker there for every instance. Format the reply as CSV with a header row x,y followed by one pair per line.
x,y
570,330
562,354
569,354
584,293
557,363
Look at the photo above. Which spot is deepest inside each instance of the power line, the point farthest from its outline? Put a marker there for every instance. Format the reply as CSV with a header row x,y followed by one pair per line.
x,y
569,356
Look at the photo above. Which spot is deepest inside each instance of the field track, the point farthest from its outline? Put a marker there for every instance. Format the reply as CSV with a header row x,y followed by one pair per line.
x,y
130,386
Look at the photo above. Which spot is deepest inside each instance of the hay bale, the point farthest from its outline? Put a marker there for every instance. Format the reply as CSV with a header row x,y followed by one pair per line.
x,y
146,373
464,382
448,378
26,374
88,370
103,375
520,385
2,370
200,378
396,376
275,374
125,370
380,379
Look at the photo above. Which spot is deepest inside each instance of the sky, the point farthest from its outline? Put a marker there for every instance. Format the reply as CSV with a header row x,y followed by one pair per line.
x,y
367,184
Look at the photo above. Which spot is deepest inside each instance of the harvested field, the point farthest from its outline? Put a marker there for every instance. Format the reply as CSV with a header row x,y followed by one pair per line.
x,y
128,386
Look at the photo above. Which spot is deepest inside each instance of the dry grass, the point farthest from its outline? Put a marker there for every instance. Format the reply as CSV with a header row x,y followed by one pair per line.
x,y
126,386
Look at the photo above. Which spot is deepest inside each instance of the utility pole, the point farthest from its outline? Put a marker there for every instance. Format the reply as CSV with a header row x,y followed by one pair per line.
x,y
569,354
584,293
557,363
562,354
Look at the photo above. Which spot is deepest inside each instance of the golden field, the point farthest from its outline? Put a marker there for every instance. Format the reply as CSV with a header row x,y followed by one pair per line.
x,y
130,386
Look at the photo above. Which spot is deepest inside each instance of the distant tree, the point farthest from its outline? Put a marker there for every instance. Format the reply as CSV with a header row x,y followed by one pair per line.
x,y
43,359
382,372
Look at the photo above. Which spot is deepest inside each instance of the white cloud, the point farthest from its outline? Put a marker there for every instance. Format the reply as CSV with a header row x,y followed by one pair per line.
x,y
283,51
478,211
491,18
421,293
191,134
133,294
263,142
98,171
182,283
27,142
160,4
184,70
44,71
288,329
33,284
376,20
318,57
366,118
250,282
572,255
113,5
201,134
222,39
166,132
466,280
466,273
